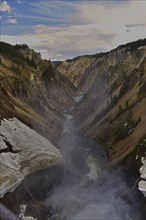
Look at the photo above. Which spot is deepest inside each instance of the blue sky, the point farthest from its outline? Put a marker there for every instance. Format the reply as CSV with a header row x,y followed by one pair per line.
x,y
62,29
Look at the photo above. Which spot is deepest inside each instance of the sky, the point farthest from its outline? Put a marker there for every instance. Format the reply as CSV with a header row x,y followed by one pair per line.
x,y
62,29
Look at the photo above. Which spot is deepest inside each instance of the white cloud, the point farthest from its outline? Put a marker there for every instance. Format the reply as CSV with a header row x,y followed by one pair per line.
x,y
5,7
90,28
56,9
12,21
131,12
68,41
19,1
93,25
59,55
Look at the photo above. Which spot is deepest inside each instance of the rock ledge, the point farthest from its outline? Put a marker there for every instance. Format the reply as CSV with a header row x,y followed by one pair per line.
x,y
22,151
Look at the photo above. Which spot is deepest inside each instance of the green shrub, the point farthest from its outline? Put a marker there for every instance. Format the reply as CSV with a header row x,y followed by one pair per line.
x,y
13,53
126,129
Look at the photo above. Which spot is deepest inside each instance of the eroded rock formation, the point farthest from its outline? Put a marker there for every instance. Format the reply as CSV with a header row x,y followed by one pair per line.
x,y
23,151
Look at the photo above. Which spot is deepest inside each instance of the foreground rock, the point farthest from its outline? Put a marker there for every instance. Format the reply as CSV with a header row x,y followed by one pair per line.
x,y
22,151
142,183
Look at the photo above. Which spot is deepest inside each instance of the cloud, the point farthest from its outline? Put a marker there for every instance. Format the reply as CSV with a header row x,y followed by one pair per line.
x,y
134,25
5,7
12,21
19,1
78,27
86,12
79,39
41,19
54,9
121,14
91,25
59,55
67,41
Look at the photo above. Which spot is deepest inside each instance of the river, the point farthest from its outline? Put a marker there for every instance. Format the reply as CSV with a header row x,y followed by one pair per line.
x,y
84,187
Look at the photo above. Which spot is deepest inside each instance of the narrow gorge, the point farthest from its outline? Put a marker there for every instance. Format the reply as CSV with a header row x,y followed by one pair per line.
x,y
73,135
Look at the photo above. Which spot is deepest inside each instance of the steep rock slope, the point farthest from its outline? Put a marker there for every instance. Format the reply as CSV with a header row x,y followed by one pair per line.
x,y
22,151
112,110
32,90
75,69
32,95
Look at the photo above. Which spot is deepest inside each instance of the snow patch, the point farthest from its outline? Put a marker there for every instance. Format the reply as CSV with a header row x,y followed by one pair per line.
x,y
142,183
78,98
22,214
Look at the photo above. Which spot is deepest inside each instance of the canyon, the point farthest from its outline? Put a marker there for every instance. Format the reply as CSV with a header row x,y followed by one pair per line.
x,y
75,120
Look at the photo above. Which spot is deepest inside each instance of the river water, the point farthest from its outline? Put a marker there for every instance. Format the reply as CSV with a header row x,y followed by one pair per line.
x,y
90,189
84,187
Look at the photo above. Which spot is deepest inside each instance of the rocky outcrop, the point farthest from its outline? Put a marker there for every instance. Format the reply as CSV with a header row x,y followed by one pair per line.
x,y
22,151
33,96
28,53
33,92
75,69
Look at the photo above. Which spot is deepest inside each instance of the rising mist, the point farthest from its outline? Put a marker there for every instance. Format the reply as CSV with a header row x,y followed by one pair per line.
x,y
90,188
